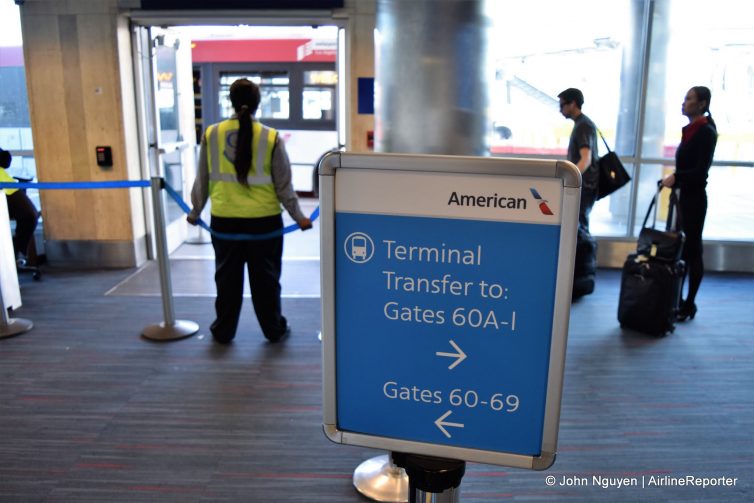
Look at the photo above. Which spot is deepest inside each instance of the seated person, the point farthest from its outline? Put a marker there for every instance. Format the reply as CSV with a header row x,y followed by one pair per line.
x,y
20,209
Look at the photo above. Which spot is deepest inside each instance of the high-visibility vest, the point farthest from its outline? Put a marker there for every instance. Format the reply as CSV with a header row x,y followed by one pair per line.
x,y
5,177
229,197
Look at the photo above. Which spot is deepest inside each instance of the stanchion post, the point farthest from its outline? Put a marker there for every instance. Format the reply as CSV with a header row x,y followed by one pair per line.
x,y
171,329
11,326
434,480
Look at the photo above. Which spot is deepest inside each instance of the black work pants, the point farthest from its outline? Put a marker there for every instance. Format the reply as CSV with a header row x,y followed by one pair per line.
x,y
263,259
585,266
693,209
588,198
23,211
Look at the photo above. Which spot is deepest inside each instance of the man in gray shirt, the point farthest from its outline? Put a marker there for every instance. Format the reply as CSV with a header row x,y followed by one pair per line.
x,y
582,151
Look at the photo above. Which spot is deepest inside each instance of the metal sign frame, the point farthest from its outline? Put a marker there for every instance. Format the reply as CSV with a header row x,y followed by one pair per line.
x,y
427,165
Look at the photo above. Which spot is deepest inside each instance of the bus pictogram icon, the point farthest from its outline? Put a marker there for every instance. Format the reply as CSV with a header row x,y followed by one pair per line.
x,y
359,247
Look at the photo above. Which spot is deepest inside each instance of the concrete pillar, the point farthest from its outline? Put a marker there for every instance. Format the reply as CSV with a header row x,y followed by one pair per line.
x,y
359,64
430,88
77,56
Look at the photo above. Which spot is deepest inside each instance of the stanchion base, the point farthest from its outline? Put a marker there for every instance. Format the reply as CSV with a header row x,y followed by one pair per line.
x,y
15,326
380,480
162,332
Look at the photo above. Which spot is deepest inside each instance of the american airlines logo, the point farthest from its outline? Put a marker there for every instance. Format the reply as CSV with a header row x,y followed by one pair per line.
x,y
497,201
542,202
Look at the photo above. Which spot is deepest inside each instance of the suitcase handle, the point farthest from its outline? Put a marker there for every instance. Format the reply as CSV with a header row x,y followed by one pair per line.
x,y
673,210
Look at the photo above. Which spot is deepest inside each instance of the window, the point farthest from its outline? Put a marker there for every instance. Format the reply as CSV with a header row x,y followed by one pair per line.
x,y
592,45
694,44
275,88
15,124
600,47
583,45
319,95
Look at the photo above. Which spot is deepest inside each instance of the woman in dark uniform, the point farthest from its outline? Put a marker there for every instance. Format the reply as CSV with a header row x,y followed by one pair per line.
x,y
692,162
245,172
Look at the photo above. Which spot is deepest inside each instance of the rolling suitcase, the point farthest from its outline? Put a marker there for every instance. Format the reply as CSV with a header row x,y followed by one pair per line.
x,y
650,292
652,278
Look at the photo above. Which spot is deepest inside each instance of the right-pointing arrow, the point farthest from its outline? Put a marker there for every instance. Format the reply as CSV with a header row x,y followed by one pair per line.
x,y
440,423
459,355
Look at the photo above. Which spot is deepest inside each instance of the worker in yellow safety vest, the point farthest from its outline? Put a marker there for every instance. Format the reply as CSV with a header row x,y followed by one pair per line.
x,y
244,170
20,208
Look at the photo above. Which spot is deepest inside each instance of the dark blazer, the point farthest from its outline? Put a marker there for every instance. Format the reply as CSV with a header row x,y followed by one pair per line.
x,y
694,158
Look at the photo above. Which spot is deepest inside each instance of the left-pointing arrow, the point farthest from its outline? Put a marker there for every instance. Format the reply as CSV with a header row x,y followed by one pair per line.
x,y
459,355
440,423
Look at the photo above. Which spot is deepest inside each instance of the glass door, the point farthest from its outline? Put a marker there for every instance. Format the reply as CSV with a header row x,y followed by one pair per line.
x,y
165,89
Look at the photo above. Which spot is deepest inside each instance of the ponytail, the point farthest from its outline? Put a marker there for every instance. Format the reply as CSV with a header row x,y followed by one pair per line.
x,y
245,98
242,162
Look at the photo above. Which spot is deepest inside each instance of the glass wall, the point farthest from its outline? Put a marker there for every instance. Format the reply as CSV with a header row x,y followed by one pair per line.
x,y
634,60
694,44
15,125
592,45
579,44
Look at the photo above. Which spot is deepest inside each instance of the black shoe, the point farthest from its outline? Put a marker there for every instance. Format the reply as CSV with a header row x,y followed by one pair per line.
x,y
686,312
281,337
20,260
222,340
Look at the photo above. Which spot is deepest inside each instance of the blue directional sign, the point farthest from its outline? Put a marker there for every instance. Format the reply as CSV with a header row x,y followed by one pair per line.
x,y
433,289
444,309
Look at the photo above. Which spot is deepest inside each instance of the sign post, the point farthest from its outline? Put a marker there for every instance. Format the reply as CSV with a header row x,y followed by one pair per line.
x,y
446,286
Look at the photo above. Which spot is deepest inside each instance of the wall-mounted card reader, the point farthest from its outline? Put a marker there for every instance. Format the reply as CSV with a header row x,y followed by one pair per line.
x,y
104,157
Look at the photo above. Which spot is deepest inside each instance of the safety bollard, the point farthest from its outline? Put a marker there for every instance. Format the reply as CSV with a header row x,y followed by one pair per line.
x,y
380,479
11,326
434,480
170,329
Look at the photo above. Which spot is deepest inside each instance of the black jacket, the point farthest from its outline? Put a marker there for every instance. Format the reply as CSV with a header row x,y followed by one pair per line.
x,y
694,158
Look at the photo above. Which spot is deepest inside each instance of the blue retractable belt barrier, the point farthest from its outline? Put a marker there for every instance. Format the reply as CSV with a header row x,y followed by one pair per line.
x,y
116,184
119,184
235,237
